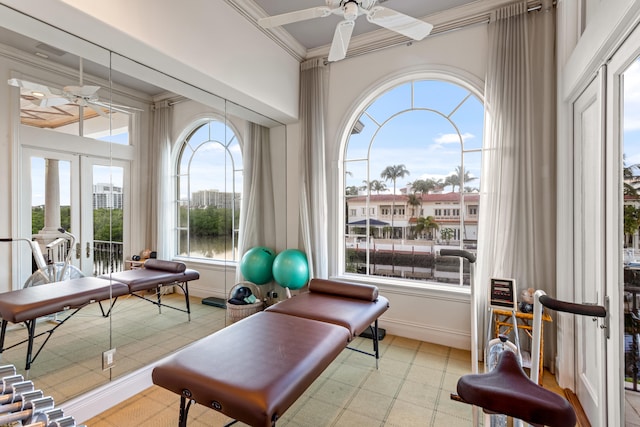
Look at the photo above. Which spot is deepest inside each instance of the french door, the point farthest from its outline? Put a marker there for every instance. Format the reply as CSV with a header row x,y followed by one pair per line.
x,y
589,257
86,194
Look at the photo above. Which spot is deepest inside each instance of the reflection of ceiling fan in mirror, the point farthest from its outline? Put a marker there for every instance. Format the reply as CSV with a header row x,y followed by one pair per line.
x,y
82,96
350,10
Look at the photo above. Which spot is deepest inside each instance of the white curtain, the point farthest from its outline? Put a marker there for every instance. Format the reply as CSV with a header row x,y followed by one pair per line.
x,y
158,189
518,201
313,198
257,215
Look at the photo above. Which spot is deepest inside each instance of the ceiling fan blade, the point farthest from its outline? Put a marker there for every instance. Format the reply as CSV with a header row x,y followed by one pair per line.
x,y
297,16
34,87
53,101
81,91
341,39
97,109
399,22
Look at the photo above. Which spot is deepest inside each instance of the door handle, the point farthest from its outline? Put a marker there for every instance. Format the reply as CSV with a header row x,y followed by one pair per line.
x,y
78,250
88,249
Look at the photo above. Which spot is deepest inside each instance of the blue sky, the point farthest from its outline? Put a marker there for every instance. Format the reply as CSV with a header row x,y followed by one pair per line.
x,y
632,114
426,139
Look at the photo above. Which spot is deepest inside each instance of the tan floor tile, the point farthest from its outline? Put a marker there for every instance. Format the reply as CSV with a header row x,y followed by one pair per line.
x,y
405,414
370,404
351,419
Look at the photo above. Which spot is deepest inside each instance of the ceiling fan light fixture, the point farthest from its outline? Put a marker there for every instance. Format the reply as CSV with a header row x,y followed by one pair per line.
x,y
350,10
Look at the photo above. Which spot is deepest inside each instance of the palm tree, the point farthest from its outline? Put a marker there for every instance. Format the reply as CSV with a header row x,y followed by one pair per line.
x,y
458,178
629,177
392,173
427,224
378,186
426,186
374,185
414,201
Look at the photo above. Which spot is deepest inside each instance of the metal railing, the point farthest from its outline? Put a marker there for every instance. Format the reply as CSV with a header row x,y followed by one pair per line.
x,y
108,257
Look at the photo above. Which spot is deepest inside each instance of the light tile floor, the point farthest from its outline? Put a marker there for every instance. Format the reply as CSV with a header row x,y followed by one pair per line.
x,y
411,388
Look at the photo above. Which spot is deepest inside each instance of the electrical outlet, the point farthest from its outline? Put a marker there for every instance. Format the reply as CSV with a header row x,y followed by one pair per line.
x,y
108,359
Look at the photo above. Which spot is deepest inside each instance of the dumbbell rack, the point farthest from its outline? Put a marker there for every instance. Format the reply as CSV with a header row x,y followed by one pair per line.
x,y
21,404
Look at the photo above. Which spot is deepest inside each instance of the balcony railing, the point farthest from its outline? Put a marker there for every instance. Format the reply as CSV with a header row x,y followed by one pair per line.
x,y
108,257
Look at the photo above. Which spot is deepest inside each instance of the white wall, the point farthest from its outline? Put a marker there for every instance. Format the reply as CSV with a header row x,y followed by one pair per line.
x,y
415,312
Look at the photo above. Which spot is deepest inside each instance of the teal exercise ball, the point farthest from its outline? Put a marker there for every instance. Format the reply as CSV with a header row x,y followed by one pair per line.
x,y
290,269
256,265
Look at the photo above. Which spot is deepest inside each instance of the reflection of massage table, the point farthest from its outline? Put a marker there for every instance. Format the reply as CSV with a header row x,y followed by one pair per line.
x,y
255,369
28,304
156,274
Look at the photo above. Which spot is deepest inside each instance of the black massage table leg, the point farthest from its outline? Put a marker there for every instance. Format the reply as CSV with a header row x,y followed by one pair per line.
x,y
184,411
185,290
376,350
3,333
159,296
31,328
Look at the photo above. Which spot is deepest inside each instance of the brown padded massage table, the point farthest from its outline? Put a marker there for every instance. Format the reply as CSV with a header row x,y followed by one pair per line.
x,y
28,304
255,369
156,274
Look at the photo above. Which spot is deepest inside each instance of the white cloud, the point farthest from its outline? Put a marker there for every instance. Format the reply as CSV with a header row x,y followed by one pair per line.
x,y
450,138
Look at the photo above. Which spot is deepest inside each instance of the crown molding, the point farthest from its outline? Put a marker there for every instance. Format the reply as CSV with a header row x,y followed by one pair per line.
x,y
252,12
474,13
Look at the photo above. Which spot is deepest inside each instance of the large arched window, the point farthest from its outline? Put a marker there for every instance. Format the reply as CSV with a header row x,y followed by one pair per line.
x,y
412,179
209,182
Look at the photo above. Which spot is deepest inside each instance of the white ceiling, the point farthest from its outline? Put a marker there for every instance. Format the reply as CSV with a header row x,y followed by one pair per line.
x,y
319,32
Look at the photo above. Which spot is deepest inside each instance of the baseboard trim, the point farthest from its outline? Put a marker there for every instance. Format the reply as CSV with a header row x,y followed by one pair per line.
x,y
582,420
96,401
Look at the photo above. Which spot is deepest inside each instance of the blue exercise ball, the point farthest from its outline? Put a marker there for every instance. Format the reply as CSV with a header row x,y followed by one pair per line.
x,y
290,269
256,265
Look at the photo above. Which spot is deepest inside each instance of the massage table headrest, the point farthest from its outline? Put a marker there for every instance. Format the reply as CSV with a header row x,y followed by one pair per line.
x,y
164,265
349,290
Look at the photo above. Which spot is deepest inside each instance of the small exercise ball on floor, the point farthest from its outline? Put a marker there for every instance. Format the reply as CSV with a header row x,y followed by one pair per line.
x,y
256,265
290,269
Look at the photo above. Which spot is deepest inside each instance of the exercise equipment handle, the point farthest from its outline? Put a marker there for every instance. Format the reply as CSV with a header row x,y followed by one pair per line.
x,y
591,310
459,253
6,239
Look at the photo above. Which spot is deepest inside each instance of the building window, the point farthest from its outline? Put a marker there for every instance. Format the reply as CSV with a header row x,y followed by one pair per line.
x,y
209,181
417,147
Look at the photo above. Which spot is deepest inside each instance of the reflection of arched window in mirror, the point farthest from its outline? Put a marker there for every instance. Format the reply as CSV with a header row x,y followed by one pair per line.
x,y
209,175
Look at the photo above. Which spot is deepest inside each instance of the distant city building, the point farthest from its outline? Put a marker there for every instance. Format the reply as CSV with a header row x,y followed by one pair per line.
x,y
215,198
107,196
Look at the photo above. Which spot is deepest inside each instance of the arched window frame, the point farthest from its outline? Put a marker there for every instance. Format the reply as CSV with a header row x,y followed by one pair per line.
x,y
449,75
231,138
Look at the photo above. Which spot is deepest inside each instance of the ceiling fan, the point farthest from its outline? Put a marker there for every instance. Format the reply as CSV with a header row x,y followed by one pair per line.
x,y
83,96
350,10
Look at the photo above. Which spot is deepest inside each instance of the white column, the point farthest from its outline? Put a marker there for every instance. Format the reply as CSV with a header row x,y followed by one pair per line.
x,y
51,197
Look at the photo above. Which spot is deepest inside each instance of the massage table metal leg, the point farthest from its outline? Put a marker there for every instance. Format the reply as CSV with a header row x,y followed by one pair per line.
x,y
185,290
31,327
376,351
3,333
184,411
159,297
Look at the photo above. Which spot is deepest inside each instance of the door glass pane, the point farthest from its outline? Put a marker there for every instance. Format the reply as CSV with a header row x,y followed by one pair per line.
x,y
50,208
108,197
631,212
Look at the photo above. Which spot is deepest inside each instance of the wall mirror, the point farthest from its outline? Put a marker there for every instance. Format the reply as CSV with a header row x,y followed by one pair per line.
x,y
82,124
